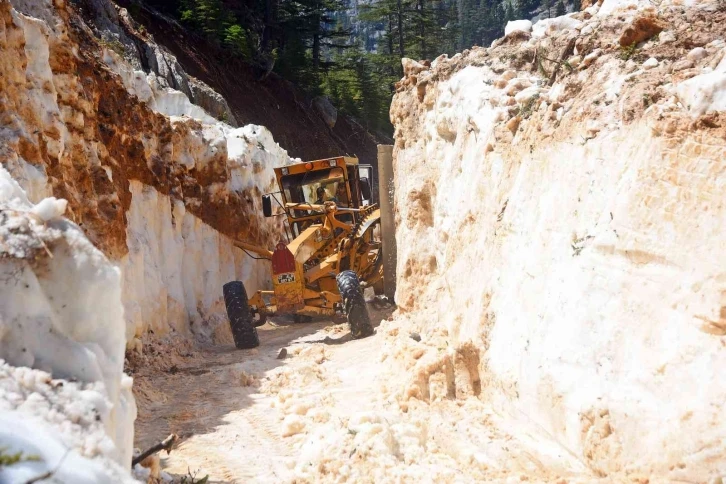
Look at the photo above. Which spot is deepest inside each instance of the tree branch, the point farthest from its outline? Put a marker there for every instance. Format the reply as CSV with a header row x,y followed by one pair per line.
x,y
165,444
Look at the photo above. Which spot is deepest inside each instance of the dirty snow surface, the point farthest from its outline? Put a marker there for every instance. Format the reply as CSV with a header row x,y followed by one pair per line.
x,y
61,313
332,410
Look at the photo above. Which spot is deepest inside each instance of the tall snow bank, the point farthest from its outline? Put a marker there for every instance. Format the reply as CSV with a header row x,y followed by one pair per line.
x,y
158,184
176,263
571,246
176,267
61,312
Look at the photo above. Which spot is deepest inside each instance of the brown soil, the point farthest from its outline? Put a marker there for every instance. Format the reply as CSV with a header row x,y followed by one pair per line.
x,y
115,130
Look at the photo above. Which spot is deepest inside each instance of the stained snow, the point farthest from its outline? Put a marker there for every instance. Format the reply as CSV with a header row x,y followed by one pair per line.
x,y
517,26
61,312
705,92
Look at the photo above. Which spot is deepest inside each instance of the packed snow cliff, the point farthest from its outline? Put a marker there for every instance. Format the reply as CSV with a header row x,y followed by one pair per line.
x,y
61,314
155,181
560,214
154,190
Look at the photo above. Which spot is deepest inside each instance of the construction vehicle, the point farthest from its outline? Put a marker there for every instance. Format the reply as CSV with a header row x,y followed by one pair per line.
x,y
333,250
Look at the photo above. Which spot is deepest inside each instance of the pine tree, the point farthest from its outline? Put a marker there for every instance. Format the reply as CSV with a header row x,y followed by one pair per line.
x,y
547,5
560,9
311,42
509,12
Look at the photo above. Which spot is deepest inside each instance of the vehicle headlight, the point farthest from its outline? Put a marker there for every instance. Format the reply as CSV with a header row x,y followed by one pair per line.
x,y
285,170
332,162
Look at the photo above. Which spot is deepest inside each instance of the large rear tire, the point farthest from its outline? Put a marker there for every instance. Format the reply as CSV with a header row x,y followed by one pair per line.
x,y
354,305
240,316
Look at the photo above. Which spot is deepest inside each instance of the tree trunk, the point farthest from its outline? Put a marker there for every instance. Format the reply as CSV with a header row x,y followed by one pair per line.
x,y
267,29
401,49
390,34
316,51
390,42
316,36
422,28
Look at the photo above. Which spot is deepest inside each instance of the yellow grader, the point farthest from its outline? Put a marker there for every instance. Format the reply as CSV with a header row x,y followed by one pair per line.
x,y
333,250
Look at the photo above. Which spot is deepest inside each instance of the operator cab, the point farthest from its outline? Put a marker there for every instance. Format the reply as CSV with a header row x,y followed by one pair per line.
x,y
341,180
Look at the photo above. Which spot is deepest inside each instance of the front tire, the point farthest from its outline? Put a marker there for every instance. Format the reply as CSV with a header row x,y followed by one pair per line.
x,y
240,316
354,305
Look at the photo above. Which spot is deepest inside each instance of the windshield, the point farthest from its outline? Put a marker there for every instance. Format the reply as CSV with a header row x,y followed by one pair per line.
x,y
315,188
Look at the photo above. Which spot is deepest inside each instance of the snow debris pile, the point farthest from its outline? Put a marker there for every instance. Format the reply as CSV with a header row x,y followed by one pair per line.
x,y
559,216
559,202
157,183
60,313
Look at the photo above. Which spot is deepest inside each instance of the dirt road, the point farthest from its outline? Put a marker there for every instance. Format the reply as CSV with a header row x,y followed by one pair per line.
x,y
332,410
226,404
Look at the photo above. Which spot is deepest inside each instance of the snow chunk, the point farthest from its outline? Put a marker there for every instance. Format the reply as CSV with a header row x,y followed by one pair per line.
x,y
516,85
651,63
50,208
61,312
518,26
667,36
551,25
47,452
292,425
411,67
704,93
610,6
525,95
592,10
697,54
588,28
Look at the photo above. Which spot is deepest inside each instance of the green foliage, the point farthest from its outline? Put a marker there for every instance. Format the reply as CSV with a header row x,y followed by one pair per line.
x,y
560,9
311,43
628,51
8,459
219,24
361,85
192,478
529,107
235,38
113,45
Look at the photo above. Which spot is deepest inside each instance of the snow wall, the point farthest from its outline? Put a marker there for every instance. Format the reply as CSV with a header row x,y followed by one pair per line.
x,y
560,230
157,183
154,190
61,314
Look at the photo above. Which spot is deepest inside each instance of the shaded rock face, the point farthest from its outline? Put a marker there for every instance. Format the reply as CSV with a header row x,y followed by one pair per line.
x,y
78,121
273,102
326,110
117,30
563,225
